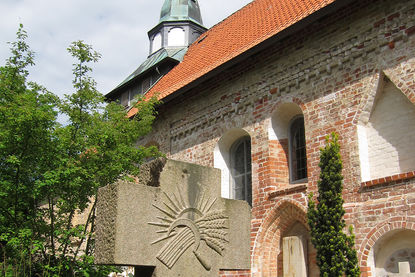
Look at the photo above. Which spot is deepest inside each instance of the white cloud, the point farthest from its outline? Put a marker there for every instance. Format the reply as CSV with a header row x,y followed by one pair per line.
x,y
116,29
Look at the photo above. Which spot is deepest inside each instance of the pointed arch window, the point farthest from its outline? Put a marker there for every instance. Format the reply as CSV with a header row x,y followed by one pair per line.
x,y
241,170
297,150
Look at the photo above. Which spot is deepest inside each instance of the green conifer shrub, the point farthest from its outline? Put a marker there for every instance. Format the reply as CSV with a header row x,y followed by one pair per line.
x,y
336,255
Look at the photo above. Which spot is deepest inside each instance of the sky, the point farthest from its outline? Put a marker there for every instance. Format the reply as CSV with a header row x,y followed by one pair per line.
x,y
115,28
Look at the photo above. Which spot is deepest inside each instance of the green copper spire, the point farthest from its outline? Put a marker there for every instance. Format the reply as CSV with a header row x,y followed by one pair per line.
x,y
175,10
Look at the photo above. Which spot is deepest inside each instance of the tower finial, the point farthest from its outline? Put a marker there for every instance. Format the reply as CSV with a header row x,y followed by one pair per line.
x,y
181,10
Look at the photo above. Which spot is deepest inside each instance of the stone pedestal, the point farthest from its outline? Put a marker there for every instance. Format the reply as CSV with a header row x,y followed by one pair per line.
x,y
172,223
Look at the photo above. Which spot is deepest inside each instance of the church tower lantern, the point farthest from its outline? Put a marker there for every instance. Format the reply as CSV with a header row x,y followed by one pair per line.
x,y
180,25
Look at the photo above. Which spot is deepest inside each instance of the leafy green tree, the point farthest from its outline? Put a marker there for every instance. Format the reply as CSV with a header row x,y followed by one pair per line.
x,y
336,255
99,144
27,148
50,174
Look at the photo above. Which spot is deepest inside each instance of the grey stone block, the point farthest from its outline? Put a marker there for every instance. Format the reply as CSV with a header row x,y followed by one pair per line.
x,y
174,220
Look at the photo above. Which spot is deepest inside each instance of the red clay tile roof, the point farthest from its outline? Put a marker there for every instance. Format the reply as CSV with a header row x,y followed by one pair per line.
x,y
246,28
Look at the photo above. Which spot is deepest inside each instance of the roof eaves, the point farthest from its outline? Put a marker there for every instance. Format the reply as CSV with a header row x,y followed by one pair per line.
x,y
174,56
289,30
137,77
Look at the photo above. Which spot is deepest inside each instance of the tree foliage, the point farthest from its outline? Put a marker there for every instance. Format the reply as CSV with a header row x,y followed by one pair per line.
x,y
50,173
336,255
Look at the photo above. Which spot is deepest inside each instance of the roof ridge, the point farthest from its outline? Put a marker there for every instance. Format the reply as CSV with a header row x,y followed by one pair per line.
x,y
244,29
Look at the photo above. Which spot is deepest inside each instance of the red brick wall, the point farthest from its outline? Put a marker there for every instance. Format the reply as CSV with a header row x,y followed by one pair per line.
x,y
330,70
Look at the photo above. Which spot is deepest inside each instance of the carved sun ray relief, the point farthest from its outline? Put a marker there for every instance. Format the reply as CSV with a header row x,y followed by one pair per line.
x,y
179,227
187,224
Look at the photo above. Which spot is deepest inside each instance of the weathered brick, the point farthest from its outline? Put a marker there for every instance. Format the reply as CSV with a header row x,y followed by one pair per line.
x,y
338,70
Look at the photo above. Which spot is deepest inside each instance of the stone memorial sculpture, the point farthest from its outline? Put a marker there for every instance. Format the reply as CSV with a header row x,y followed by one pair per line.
x,y
172,222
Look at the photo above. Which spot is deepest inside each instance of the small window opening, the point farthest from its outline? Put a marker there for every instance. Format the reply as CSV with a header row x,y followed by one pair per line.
x,y
241,170
298,156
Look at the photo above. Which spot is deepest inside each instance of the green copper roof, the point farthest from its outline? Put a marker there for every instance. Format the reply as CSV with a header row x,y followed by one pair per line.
x,y
176,54
174,10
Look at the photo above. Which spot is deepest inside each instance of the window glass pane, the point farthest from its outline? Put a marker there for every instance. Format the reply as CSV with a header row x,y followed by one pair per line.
x,y
133,93
248,156
146,84
239,157
248,186
124,98
239,188
298,150
241,169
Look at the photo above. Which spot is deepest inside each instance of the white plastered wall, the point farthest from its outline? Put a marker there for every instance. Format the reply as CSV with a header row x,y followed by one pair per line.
x,y
221,158
281,119
363,153
386,142
280,124
386,246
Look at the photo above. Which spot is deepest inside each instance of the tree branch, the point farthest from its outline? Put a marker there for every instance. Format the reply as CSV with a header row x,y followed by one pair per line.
x,y
90,216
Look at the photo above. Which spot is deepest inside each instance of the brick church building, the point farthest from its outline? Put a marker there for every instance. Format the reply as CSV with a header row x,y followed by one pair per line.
x,y
256,95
